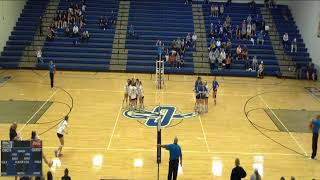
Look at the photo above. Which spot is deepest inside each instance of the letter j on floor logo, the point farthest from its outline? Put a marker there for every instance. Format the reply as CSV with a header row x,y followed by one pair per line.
x,y
163,113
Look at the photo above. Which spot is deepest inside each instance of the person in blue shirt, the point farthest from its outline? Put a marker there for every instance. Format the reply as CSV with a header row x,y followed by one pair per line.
x,y
51,73
199,97
215,86
175,153
315,125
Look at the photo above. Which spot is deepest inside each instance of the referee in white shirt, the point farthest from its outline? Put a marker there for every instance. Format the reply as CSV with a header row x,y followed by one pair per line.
x,y
60,132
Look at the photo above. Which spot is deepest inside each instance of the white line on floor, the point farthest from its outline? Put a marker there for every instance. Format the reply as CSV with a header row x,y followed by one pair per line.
x,y
38,110
294,139
114,127
204,135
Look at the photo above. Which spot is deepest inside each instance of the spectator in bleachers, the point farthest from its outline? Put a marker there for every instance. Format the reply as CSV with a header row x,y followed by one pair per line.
x,y
218,44
266,29
255,175
64,19
294,46
39,56
188,40
194,39
249,18
75,31
216,10
112,18
82,21
102,23
40,25
211,58
212,45
238,52
83,6
243,29
222,57
228,61
253,29
224,40
187,2
252,4
285,14
212,10
311,72
260,38
85,36
66,175
60,19
244,52
133,33
285,40
238,32
228,21
254,63
260,70
67,31
266,3
211,33
238,172
221,10
228,46
249,30
273,3
159,43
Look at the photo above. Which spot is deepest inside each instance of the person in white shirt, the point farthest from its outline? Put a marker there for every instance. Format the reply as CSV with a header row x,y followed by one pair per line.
x,y
222,57
254,63
133,96
126,92
141,96
255,175
218,43
61,130
294,45
159,43
285,40
194,39
75,30
39,56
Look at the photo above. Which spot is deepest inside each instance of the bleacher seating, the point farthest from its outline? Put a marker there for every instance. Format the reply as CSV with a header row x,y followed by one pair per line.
x,y
92,56
165,20
239,12
302,57
23,33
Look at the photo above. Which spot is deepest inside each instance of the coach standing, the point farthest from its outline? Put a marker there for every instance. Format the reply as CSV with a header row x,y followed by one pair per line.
x,y
175,153
52,70
315,125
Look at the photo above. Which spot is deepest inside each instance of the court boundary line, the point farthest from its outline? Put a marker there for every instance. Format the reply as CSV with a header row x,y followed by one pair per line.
x,y
185,151
114,128
290,134
48,99
204,135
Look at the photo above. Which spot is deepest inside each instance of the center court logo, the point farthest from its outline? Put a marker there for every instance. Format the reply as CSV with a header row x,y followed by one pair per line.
x,y
163,113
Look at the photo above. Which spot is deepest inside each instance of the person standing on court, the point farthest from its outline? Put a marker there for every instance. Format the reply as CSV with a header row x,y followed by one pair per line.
x,y
238,172
52,71
175,153
315,126
13,132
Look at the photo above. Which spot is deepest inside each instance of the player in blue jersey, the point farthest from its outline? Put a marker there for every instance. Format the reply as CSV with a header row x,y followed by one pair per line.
x,y
196,94
215,86
199,97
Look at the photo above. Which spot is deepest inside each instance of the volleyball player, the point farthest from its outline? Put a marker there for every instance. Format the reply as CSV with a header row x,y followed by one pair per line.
x,y
206,96
126,92
141,95
215,86
196,105
61,130
199,97
133,96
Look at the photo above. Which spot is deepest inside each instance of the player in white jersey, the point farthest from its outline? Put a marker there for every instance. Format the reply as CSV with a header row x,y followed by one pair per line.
x,y
141,95
206,96
126,92
133,94
61,130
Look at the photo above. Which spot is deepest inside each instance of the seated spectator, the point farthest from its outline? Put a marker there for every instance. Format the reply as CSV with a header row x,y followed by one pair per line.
x,y
67,31
103,23
243,29
244,52
249,18
132,32
238,32
228,21
212,44
253,29
39,56
266,29
66,175
75,31
285,40
50,35
294,45
252,40
212,59
224,40
113,18
228,47
273,4
187,2
188,40
159,43
228,61
260,70
218,44
249,30
254,63
260,38
238,52
229,2
311,72
82,21
222,57
194,40
221,9
252,4
85,36
238,172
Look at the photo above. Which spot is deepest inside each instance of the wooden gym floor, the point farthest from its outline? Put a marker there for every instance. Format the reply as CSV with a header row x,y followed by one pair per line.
x,y
102,143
